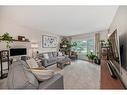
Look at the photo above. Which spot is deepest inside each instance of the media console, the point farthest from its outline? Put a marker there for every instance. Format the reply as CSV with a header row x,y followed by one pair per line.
x,y
112,71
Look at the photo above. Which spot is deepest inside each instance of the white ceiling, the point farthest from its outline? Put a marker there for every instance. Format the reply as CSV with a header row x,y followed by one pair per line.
x,y
62,20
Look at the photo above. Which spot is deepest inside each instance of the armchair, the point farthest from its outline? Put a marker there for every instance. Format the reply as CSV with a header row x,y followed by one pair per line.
x,y
73,55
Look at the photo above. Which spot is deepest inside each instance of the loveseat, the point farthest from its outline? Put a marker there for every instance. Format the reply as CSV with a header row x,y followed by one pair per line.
x,y
51,58
20,77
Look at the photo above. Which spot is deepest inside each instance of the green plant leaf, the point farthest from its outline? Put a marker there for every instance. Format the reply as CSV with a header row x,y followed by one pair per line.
x,y
7,38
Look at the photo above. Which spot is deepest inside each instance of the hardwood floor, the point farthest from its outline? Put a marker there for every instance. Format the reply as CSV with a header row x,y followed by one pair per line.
x,y
107,82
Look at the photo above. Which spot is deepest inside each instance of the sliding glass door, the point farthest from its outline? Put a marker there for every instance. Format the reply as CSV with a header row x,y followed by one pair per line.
x,y
83,47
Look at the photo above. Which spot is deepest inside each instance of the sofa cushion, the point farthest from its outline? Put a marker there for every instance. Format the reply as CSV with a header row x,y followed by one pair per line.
x,y
20,78
52,60
43,75
32,63
50,54
55,54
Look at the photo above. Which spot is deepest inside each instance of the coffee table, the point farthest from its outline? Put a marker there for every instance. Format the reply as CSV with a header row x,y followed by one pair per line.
x,y
62,63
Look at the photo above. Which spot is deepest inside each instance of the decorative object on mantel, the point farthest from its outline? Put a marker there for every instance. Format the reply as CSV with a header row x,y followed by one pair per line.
x,y
4,59
22,38
49,41
7,38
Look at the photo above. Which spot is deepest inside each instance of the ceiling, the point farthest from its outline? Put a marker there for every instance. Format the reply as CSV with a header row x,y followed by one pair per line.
x,y
62,20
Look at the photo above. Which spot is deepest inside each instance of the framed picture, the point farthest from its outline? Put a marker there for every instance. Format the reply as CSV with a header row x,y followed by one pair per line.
x,y
49,41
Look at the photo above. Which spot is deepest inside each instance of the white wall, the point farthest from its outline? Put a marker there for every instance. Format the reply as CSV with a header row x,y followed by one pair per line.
x,y
120,23
33,35
103,35
84,36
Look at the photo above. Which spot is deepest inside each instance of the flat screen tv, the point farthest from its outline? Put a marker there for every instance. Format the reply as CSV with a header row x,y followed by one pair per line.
x,y
114,41
18,51
123,50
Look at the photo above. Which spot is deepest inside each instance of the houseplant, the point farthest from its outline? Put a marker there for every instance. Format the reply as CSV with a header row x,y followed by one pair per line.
x,y
66,45
91,56
7,38
102,42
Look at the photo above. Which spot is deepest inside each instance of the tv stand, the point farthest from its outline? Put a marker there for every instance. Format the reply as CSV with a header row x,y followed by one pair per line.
x,y
112,71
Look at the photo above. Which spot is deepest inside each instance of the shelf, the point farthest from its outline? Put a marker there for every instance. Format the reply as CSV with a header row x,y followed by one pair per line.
x,y
21,41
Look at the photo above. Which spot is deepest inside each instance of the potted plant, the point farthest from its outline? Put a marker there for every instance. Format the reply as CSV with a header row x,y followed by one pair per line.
x,y
97,60
7,38
109,43
91,56
102,42
66,45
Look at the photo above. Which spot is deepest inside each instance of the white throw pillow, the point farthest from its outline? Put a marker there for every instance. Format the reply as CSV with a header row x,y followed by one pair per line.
x,y
32,63
46,56
43,75
60,54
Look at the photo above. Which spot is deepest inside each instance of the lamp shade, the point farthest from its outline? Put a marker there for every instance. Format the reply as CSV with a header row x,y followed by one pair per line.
x,y
34,45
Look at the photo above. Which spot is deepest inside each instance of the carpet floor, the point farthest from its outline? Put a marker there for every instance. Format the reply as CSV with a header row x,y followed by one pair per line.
x,y
80,75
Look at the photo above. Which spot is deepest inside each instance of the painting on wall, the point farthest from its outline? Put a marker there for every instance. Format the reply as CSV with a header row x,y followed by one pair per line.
x,y
49,41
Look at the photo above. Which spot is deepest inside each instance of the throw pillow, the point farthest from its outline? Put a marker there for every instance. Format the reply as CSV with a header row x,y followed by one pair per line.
x,y
60,54
43,75
32,63
46,56
50,55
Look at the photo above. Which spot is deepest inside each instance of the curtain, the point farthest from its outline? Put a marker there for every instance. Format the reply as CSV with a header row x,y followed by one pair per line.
x,y
97,44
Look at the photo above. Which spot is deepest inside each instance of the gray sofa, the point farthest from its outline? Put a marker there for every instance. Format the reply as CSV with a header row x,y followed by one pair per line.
x,y
54,57
19,77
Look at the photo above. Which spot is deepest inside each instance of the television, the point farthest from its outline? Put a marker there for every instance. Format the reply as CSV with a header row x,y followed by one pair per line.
x,y
115,60
123,50
18,51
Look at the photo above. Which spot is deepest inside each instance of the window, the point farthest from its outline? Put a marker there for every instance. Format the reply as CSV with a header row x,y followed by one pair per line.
x,y
90,45
83,47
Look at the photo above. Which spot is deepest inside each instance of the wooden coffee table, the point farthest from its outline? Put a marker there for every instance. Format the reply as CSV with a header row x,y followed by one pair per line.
x,y
61,64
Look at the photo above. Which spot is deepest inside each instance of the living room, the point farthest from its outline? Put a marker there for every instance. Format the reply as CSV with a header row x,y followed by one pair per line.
x,y
60,46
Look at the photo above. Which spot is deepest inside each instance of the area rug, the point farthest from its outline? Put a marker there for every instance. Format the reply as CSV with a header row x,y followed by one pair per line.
x,y
80,75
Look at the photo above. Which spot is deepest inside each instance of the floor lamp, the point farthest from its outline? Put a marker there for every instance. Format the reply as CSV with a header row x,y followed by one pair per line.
x,y
34,46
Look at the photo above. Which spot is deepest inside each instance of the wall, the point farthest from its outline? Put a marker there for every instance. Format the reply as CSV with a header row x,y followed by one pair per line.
x,y
32,34
84,36
103,35
120,23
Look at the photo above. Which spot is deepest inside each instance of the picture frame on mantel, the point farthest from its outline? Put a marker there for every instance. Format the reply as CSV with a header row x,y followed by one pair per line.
x,y
49,41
